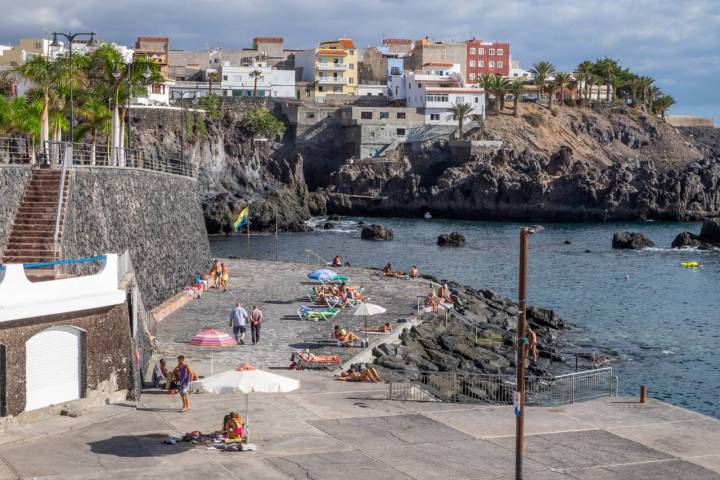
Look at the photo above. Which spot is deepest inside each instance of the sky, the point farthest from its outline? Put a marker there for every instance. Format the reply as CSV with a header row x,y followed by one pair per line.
x,y
676,42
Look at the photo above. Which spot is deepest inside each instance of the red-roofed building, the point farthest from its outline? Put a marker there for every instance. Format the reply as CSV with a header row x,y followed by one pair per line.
x,y
485,58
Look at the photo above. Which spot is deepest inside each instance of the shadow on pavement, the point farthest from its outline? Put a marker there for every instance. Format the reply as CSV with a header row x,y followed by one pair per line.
x,y
138,446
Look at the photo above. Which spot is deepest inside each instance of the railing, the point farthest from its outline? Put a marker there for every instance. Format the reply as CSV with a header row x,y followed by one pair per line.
x,y
15,150
465,387
310,253
331,66
332,80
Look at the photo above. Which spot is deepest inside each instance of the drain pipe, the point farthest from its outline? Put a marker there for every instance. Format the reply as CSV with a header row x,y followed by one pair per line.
x,y
67,160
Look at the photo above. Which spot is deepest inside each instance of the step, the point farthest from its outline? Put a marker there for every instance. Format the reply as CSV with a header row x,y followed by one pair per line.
x,y
28,243
26,259
33,227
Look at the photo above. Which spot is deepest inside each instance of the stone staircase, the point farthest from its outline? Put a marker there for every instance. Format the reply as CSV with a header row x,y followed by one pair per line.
x,y
31,237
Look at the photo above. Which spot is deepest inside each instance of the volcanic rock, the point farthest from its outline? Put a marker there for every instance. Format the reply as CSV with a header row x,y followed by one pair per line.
x,y
631,241
453,239
376,232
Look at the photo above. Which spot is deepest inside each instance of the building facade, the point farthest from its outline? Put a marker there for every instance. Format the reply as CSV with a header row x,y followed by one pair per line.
x,y
156,49
257,79
332,68
427,51
487,58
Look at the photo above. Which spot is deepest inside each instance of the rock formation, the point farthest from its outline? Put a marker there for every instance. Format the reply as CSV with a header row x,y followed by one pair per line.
x,y
452,239
631,241
708,239
376,232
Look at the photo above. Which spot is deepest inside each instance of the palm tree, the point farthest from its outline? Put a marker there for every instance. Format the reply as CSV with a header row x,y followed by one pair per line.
x,y
583,73
645,86
460,112
661,104
21,116
542,70
562,80
96,119
516,88
551,88
486,82
255,75
501,85
45,75
212,76
607,69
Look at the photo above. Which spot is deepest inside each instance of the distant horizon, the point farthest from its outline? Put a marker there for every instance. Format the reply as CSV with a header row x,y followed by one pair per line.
x,y
676,46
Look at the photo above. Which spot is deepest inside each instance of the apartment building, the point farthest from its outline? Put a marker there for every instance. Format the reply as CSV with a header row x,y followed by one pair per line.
x,y
15,55
156,49
332,68
487,58
426,51
257,79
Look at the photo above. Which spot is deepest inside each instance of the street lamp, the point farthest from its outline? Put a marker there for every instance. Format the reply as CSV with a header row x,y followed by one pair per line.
x,y
519,399
70,38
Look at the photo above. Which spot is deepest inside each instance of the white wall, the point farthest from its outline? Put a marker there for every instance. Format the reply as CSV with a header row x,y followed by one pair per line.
x,y
374,90
281,83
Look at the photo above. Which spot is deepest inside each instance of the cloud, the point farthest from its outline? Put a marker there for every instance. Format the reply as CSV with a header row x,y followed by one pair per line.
x,y
676,42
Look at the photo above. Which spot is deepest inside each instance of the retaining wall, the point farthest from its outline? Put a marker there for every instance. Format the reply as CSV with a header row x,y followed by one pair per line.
x,y
13,179
156,216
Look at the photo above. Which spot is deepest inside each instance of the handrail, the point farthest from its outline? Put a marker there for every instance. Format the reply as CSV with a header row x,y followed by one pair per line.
x,y
65,262
310,252
66,161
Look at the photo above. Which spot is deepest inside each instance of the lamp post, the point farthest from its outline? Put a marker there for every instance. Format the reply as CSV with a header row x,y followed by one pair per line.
x,y
519,399
70,38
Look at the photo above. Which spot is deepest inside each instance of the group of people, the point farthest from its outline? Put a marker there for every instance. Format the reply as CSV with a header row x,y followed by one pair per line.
x,y
239,319
219,275
176,381
389,272
437,297
233,426
348,295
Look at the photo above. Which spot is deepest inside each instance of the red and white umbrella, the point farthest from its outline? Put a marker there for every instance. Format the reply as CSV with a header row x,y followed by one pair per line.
x,y
213,338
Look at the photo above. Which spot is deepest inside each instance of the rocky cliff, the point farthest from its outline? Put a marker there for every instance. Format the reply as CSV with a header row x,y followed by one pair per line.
x,y
568,164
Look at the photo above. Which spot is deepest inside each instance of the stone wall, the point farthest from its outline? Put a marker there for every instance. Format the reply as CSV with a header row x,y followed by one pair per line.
x,y
13,179
156,216
106,354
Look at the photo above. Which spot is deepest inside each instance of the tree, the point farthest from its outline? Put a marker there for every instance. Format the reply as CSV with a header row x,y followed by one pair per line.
x,y
583,74
662,104
460,112
607,69
500,86
486,83
255,75
96,119
562,80
261,122
541,71
551,88
45,75
22,116
516,88
212,76
645,86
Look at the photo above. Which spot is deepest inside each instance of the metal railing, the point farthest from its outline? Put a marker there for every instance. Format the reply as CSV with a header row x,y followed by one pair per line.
x,y
15,150
465,387
310,254
332,80
331,66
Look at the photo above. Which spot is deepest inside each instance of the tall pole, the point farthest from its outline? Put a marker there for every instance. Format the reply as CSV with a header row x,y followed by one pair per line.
x,y
520,400
277,245
248,234
72,107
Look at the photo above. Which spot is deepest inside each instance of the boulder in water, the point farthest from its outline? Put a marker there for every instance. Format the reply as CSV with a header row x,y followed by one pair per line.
x,y
376,232
333,218
709,237
631,241
328,226
567,242
453,239
685,240
710,231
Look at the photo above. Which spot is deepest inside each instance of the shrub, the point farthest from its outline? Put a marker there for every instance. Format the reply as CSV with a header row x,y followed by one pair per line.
x,y
262,123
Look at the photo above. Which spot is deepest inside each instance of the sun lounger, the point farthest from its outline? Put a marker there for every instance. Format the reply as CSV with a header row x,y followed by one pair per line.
x,y
317,361
311,312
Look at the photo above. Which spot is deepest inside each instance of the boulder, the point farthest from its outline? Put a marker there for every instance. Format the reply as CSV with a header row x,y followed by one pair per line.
x,y
333,218
710,231
453,239
376,232
709,237
685,240
328,226
631,241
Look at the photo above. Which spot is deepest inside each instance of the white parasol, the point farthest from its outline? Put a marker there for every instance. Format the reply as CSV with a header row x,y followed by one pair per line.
x,y
366,310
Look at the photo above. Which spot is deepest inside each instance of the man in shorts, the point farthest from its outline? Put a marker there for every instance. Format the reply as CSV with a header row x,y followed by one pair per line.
x,y
238,322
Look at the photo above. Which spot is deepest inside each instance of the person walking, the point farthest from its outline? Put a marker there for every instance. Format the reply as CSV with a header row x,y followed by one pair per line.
x,y
183,375
238,322
256,316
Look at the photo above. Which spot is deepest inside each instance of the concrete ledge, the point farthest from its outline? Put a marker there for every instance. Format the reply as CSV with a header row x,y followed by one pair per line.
x,y
171,305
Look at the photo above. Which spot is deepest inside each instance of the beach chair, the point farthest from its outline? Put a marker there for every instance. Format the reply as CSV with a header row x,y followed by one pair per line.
x,y
311,312
337,279
320,361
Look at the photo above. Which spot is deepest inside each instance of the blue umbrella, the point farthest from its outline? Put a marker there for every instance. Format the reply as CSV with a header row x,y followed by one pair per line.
x,y
322,275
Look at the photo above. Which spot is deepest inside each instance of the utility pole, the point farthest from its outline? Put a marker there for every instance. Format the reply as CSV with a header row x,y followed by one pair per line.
x,y
519,399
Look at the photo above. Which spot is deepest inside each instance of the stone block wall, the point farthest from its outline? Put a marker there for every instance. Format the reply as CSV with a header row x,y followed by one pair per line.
x,y
13,180
156,216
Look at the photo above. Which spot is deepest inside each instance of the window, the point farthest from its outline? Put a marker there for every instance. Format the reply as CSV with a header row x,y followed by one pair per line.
x,y
366,115
500,64
156,88
481,63
472,76
500,51
437,97
394,70
481,51
472,63
419,85
309,115
351,52
434,116
307,93
38,46
350,80
397,90
472,50
351,66
384,114
225,77
491,51
459,99
321,88
400,132
491,64
400,115
477,99
337,89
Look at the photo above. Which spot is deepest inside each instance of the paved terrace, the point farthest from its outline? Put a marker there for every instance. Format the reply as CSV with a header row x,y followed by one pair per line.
x,y
336,430
279,289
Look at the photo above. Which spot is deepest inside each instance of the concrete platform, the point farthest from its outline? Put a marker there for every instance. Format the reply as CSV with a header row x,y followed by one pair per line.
x,y
347,431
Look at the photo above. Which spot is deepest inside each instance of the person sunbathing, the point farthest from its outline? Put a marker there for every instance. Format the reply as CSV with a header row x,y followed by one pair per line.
x,y
432,301
311,357
444,294
381,329
413,273
388,271
337,262
367,375
344,336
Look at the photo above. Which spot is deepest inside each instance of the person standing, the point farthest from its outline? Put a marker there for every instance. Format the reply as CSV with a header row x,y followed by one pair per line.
x,y
256,316
182,376
225,272
238,322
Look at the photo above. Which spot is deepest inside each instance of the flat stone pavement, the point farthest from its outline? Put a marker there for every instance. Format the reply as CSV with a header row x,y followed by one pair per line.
x,y
279,289
336,430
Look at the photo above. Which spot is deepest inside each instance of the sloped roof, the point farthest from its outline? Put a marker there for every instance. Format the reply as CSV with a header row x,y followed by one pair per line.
x,y
331,51
268,39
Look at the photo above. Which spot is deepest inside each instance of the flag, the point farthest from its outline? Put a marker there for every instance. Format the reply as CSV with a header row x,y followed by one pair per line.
x,y
242,219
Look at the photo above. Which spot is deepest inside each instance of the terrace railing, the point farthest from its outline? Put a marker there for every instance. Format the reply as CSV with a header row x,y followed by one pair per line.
x,y
15,150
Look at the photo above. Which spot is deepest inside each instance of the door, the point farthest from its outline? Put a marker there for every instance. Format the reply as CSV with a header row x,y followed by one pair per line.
x,y
52,367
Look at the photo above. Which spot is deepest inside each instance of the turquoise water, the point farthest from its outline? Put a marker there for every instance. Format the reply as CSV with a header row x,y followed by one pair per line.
x,y
662,324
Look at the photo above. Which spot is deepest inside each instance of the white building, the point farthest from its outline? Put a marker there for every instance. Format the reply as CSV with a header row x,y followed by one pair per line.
x,y
372,90
517,72
238,81
437,89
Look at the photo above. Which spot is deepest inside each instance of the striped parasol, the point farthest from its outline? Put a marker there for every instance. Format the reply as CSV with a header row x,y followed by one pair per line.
x,y
214,338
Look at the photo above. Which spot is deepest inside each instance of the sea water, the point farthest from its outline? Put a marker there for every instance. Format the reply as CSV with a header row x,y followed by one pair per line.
x,y
659,321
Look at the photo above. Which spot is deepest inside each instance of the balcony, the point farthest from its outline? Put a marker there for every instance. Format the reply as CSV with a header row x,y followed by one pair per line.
x,y
332,80
331,66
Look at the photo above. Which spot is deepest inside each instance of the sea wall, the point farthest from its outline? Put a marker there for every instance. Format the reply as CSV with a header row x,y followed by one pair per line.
x,y
13,179
156,216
